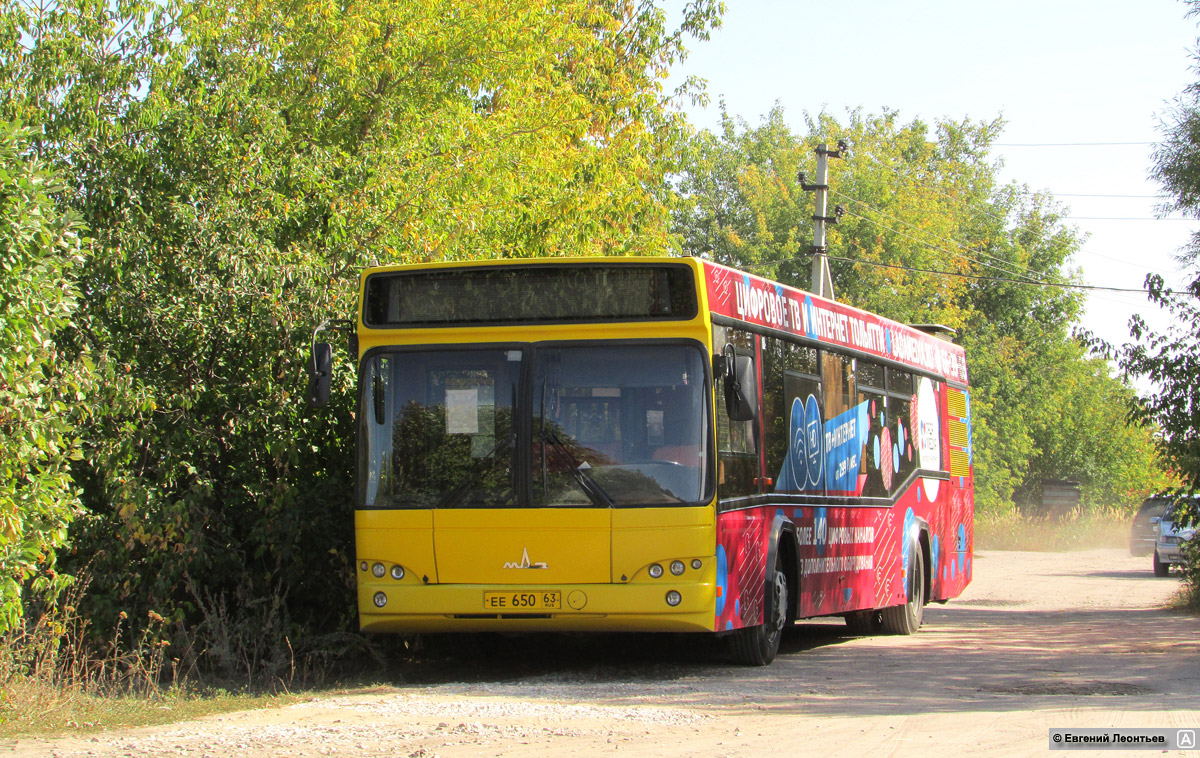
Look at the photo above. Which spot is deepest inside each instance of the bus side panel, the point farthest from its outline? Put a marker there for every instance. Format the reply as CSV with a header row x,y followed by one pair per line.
x,y
842,551
742,537
854,557
953,554
957,538
927,500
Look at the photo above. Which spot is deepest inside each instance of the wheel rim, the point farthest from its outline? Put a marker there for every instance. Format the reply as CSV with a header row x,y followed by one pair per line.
x,y
916,590
780,602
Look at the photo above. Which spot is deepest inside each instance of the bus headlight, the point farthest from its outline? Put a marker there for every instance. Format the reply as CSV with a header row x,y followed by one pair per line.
x,y
655,570
677,567
674,598
397,572
380,599
378,569
696,564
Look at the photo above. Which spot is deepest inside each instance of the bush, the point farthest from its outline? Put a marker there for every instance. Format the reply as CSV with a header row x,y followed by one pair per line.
x,y
44,382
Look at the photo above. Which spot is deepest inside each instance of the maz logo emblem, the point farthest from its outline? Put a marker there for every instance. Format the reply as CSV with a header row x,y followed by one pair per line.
x,y
525,564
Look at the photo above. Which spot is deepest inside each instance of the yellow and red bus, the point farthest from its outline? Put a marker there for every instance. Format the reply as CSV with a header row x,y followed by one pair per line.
x,y
650,444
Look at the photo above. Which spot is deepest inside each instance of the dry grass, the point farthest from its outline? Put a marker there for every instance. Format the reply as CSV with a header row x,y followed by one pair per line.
x,y
33,708
1078,530
53,680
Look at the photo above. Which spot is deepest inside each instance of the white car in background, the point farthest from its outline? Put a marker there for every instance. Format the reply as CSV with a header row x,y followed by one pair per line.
x,y
1168,545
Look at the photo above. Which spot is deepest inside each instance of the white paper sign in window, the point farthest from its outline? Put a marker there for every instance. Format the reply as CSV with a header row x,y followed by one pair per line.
x,y
462,411
654,427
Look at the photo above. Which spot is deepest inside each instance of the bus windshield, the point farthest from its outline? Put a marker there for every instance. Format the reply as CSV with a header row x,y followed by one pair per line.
x,y
608,425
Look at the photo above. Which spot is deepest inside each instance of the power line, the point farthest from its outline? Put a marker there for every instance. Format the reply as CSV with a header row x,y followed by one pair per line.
x,y
911,226
976,277
1054,195
1002,219
1123,218
1007,266
957,253
1131,264
1082,194
1069,144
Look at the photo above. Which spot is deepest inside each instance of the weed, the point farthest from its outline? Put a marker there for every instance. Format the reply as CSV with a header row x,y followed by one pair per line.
x,y
1190,593
52,672
1077,530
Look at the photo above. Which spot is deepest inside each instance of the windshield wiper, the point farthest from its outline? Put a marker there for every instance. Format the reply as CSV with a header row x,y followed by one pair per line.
x,y
578,470
504,443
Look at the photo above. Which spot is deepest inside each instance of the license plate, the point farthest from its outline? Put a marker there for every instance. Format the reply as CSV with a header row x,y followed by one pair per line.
x,y
525,600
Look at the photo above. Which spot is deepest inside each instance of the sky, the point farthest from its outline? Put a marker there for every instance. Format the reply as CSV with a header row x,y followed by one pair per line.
x,y
1061,73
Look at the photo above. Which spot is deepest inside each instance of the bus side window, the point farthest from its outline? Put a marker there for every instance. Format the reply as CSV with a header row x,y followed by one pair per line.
x,y
837,377
737,453
790,386
871,391
899,420
890,452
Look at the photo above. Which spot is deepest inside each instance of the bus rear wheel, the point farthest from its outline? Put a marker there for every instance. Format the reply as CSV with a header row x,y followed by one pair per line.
x,y
906,619
757,645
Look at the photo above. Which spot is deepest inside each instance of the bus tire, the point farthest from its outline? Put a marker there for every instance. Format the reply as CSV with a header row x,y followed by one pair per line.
x,y
864,623
906,619
757,645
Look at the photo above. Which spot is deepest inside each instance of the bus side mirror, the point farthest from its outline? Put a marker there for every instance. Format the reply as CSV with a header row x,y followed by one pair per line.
x,y
741,396
320,372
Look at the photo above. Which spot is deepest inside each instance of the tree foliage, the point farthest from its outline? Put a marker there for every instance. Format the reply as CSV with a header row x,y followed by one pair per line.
x,y
238,163
930,235
1170,359
44,381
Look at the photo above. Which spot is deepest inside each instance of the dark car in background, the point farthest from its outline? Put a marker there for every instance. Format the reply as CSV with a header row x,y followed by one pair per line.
x,y
1144,532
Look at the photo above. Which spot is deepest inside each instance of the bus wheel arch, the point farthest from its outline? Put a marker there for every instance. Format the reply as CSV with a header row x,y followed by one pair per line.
x,y
789,562
757,645
907,618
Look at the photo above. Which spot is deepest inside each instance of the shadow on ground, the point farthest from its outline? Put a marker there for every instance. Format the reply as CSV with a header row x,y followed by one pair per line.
x,y
966,658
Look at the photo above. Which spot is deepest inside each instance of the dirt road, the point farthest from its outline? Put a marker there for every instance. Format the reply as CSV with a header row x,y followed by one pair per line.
x,y
1039,640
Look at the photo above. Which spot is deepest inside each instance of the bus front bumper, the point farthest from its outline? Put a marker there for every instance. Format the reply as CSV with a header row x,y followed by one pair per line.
x,y
632,607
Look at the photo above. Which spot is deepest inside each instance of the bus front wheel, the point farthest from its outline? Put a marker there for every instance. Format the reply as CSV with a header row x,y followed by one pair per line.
x,y
757,645
906,619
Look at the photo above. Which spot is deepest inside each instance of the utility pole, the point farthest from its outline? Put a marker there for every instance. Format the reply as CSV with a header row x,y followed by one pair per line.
x,y
822,282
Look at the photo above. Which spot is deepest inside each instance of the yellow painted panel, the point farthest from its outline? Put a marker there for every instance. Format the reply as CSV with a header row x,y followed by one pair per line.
x,y
642,607
698,328
371,338
528,546
642,536
396,537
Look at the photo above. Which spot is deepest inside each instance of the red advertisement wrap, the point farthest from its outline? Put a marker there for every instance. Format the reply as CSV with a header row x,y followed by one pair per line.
x,y
757,301
741,567
851,556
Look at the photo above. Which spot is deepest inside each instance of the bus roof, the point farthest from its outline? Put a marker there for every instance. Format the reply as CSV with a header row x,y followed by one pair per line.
x,y
742,297
753,300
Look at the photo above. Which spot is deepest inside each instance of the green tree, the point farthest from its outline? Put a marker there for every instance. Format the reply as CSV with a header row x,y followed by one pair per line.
x,y
1170,359
239,162
930,235
44,381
